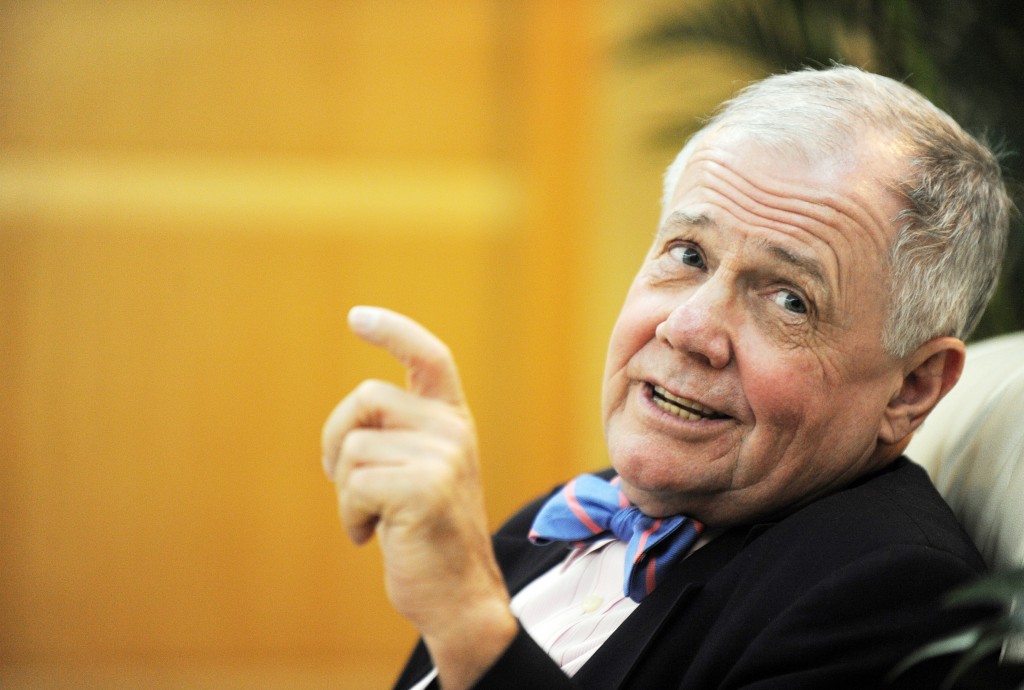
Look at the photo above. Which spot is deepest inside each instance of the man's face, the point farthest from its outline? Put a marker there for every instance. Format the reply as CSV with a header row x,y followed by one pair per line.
x,y
745,373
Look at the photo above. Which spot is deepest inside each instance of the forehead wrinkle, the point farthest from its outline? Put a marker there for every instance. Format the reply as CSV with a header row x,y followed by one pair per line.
x,y
826,217
787,203
808,263
785,206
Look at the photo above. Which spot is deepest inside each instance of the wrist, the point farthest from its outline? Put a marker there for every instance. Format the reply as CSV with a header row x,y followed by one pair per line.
x,y
471,643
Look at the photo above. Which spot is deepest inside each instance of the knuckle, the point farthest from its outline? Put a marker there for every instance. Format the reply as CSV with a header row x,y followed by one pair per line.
x,y
354,488
464,426
449,452
371,389
436,483
355,445
434,355
459,427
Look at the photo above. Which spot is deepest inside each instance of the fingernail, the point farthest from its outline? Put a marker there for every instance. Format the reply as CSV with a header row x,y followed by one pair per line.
x,y
363,319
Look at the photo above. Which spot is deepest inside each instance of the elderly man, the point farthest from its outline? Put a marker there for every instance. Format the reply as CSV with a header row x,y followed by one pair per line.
x,y
827,242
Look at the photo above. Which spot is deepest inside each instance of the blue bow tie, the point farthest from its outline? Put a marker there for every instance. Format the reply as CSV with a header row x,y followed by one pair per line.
x,y
589,507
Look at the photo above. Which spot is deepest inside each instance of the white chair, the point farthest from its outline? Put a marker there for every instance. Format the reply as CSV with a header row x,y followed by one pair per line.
x,y
973,448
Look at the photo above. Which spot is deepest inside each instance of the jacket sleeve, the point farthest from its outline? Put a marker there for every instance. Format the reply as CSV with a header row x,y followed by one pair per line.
x,y
524,665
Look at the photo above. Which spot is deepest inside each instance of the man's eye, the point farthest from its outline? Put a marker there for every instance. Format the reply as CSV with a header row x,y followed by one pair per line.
x,y
790,301
687,255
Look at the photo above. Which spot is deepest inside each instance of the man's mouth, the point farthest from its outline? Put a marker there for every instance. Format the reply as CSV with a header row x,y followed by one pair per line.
x,y
682,407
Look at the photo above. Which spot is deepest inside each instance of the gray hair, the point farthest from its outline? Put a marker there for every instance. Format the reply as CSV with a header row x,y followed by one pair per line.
x,y
950,239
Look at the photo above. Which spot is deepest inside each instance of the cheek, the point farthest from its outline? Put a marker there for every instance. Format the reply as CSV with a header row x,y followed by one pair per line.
x,y
803,414
621,347
789,435
634,328
784,392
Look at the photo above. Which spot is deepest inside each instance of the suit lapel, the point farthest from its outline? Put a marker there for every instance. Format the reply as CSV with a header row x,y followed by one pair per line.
x,y
618,656
531,562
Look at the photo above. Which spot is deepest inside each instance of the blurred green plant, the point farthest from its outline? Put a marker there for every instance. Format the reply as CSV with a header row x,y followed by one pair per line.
x,y
966,56
1005,590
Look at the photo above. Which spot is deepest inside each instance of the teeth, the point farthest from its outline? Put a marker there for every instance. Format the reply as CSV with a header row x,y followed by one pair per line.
x,y
681,407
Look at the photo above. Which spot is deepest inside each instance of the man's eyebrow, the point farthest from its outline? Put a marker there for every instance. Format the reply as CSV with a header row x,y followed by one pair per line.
x,y
682,218
807,265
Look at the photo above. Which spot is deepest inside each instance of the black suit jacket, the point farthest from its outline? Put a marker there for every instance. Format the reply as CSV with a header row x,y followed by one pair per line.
x,y
831,596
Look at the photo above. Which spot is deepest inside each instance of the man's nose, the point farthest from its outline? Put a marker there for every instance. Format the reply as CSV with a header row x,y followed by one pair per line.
x,y
699,326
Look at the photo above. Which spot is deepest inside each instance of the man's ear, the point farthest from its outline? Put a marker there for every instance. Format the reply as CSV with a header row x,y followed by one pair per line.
x,y
928,374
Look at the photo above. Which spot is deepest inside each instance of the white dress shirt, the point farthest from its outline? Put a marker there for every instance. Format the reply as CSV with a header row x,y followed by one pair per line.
x,y
571,610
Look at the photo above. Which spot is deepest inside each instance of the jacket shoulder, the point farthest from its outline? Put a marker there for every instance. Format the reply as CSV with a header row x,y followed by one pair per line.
x,y
896,507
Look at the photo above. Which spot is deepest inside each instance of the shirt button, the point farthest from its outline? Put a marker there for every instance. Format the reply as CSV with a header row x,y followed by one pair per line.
x,y
591,603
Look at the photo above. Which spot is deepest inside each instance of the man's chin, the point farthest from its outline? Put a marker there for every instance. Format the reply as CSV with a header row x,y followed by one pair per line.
x,y
657,503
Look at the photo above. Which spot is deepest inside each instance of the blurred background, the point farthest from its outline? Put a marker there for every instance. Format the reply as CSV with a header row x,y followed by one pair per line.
x,y
192,195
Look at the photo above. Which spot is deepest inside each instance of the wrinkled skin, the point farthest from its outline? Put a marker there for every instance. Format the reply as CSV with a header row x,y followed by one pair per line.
x,y
760,307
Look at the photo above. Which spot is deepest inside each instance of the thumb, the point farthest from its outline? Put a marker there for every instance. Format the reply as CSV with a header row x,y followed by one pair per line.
x,y
427,360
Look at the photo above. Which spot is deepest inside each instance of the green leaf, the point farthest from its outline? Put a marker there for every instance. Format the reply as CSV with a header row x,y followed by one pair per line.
x,y
960,642
988,643
1002,588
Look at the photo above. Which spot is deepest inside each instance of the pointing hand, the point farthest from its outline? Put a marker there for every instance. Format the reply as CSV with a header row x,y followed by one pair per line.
x,y
404,462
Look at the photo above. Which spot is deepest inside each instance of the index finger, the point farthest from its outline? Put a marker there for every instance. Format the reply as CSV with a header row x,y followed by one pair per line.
x,y
428,361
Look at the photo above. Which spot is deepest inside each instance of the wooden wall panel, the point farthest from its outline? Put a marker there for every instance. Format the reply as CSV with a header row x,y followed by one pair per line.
x,y
317,78
191,197
164,408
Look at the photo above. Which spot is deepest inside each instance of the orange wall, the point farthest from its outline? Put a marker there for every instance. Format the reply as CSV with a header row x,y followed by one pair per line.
x,y
191,197
194,196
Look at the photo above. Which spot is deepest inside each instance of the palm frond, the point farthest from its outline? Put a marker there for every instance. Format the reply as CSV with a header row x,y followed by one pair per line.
x,y
978,641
